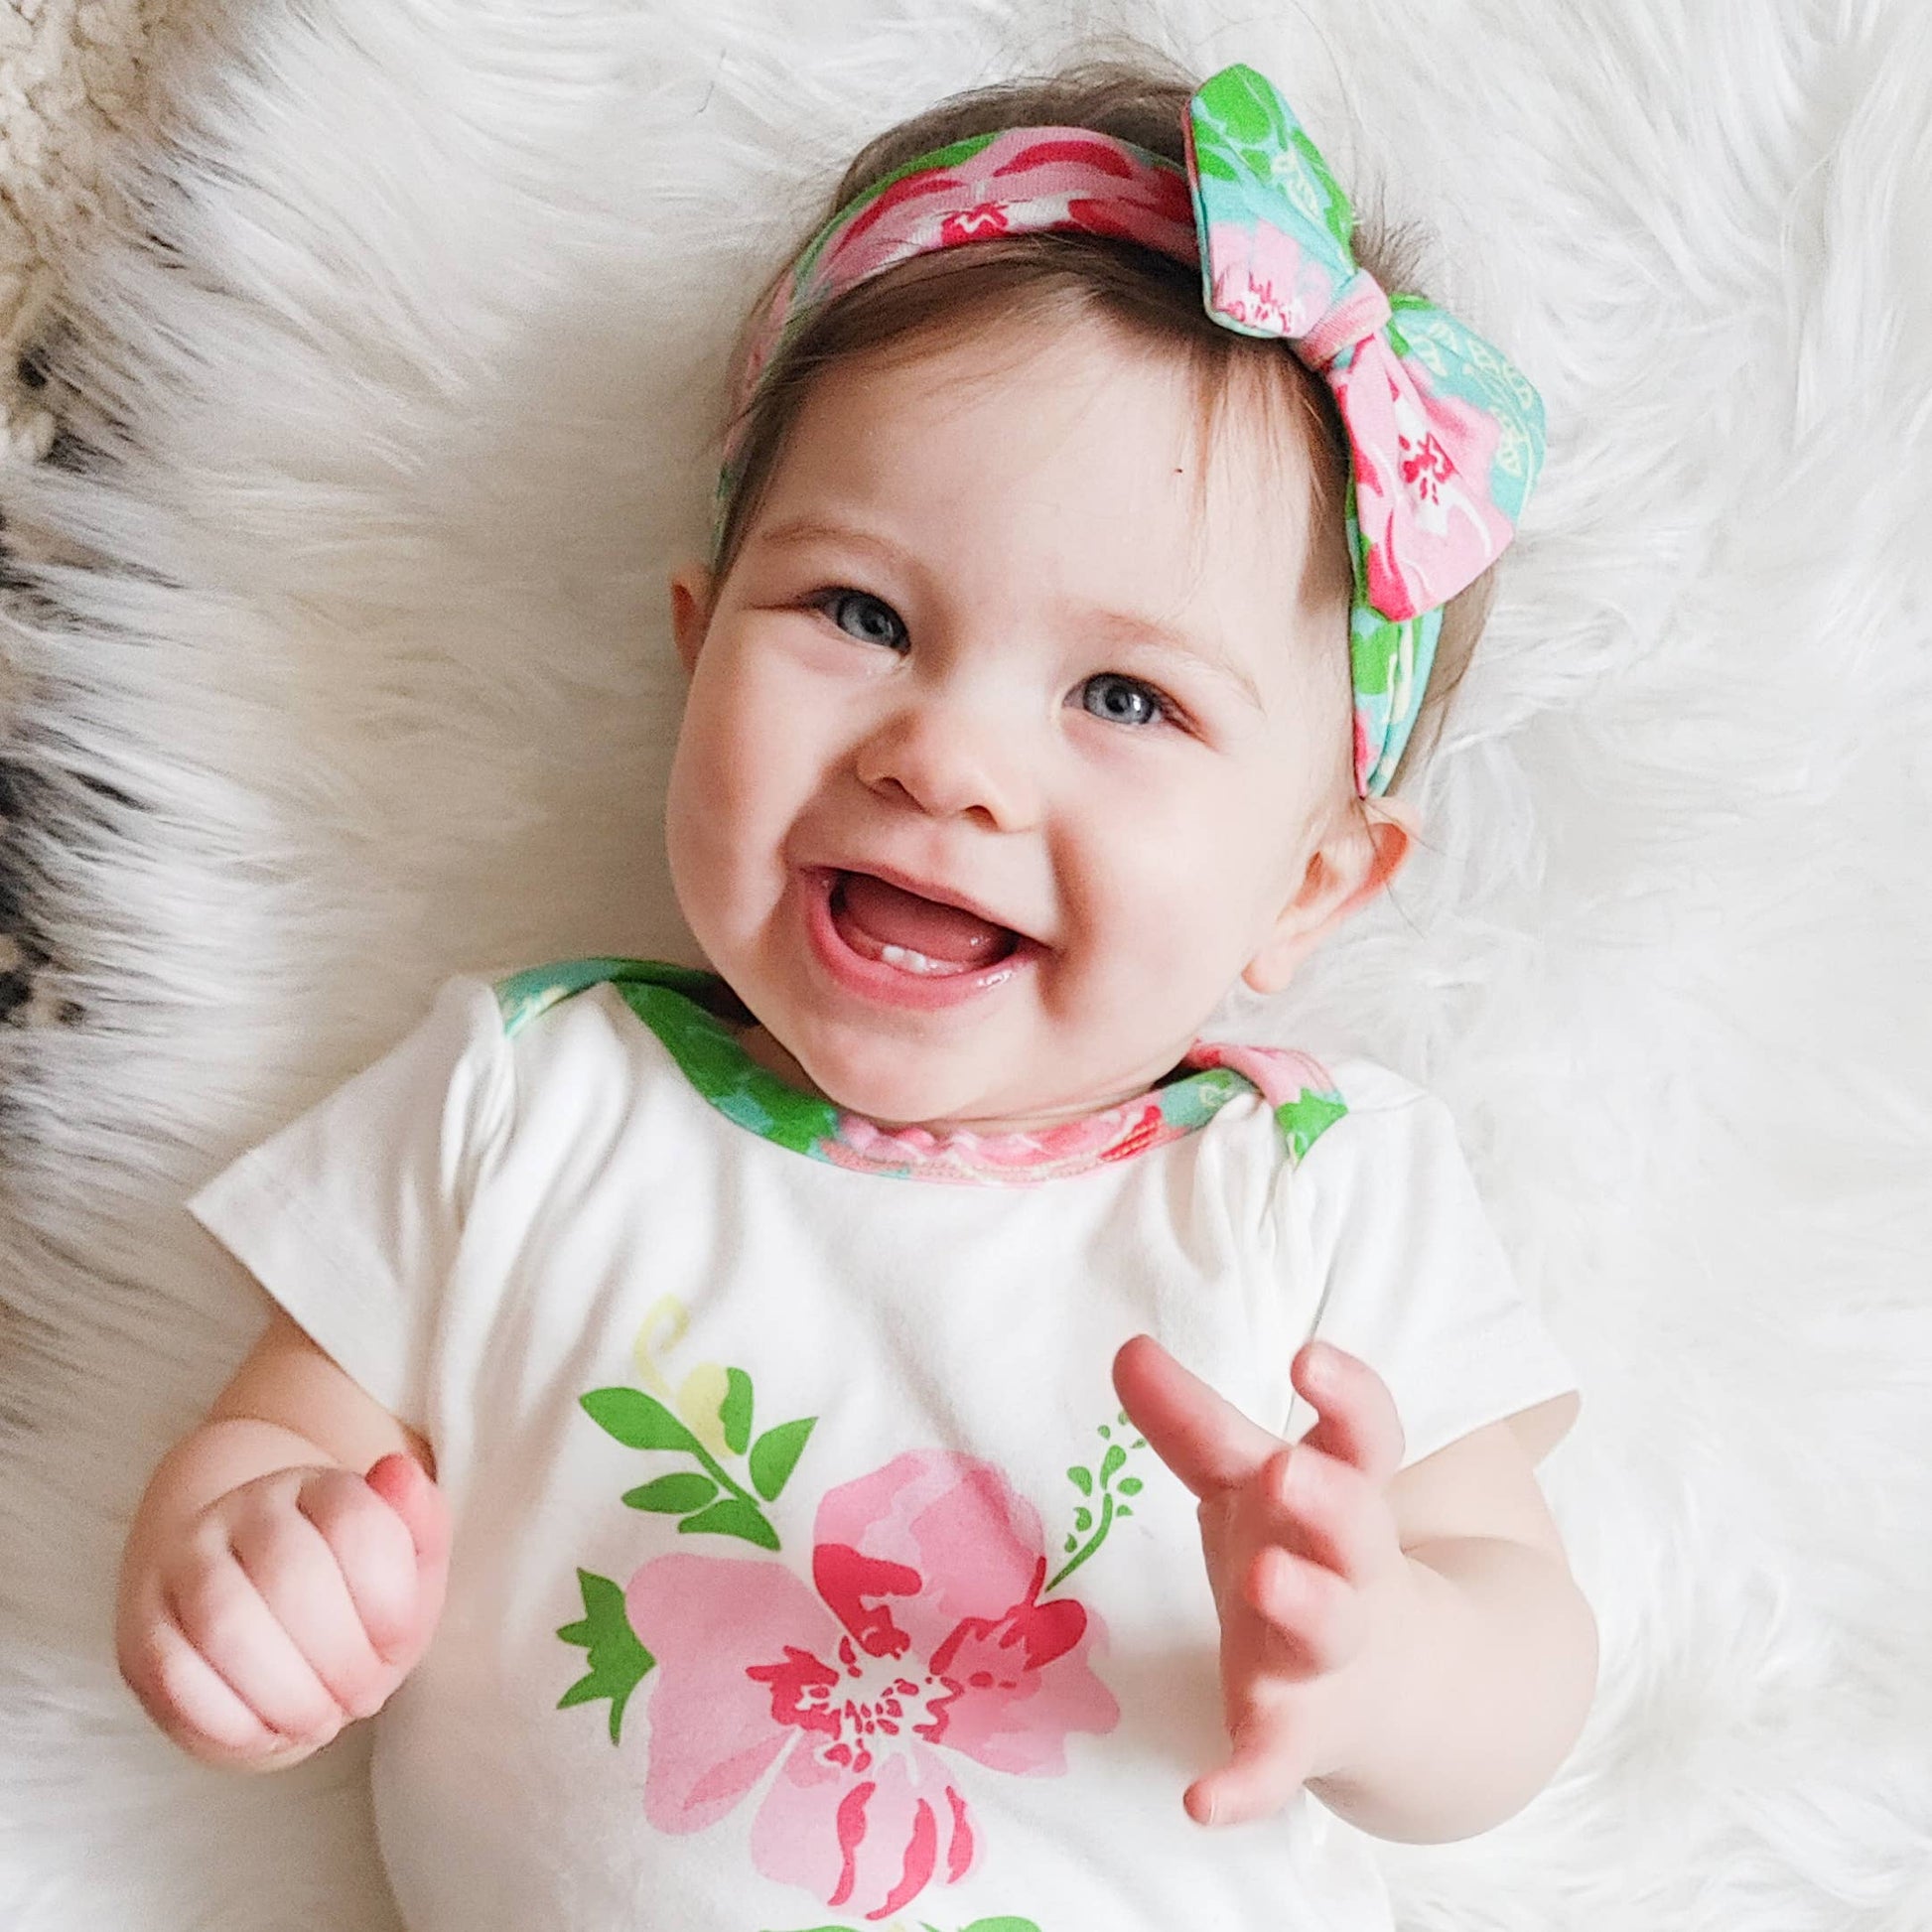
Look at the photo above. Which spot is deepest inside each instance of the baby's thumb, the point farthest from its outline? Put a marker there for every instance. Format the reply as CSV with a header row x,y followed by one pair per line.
x,y
401,1482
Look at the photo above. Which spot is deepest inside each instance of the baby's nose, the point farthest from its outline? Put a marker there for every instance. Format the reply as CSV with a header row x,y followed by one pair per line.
x,y
953,761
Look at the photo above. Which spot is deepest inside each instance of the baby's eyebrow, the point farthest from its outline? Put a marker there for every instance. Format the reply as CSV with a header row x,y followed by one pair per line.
x,y
1180,643
810,529
1123,624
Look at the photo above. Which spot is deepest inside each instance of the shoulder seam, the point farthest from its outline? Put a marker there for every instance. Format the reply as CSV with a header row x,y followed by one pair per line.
x,y
1294,1086
522,996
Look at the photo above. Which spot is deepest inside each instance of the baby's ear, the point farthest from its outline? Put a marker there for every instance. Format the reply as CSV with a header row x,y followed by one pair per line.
x,y
691,592
1364,849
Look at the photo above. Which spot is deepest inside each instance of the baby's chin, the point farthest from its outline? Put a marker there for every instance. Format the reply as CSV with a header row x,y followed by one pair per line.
x,y
882,1087
889,1086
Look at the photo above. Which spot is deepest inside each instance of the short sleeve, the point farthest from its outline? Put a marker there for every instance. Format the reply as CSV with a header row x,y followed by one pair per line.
x,y
1411,1275
350,1214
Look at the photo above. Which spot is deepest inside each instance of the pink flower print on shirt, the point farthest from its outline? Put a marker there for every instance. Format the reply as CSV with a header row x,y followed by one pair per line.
x,y
920,1643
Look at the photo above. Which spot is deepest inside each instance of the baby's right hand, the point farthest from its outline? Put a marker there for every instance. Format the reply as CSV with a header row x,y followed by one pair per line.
x,y
290,1606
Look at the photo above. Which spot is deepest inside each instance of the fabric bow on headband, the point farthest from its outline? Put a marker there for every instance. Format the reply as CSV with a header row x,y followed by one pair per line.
x,y
1445,434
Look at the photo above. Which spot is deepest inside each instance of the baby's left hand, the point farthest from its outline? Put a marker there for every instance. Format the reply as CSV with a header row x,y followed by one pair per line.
x,y
1303,1555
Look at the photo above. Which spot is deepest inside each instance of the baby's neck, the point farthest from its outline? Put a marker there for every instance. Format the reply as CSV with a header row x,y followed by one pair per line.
x,y
771,1054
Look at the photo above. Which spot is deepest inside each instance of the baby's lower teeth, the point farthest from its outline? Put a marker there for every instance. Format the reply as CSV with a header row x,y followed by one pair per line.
x,y
910,961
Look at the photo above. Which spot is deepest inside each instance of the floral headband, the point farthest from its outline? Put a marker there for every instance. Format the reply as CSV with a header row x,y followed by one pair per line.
x,y
1444,433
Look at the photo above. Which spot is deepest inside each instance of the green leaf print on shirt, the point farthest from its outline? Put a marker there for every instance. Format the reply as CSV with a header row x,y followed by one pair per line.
x,y
775,1454
735,1412
733,1516
709,1500
1098,1486
638,1421
619,1663
676,1495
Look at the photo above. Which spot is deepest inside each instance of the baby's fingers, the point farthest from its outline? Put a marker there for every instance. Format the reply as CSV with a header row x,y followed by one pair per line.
x,y
408,1488
223,1616
187,1699
1268,1768
297,1574
1327,1512
1314,1619
374,1555
1193,1429
1355,1415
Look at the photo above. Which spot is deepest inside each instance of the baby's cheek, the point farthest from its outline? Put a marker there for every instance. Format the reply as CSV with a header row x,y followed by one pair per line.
x,y
1181,878
739,785
755,734
700,821
1162,920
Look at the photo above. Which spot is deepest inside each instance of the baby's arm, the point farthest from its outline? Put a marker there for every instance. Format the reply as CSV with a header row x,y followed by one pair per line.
x,y
271,1593
1476,1674
1411,1646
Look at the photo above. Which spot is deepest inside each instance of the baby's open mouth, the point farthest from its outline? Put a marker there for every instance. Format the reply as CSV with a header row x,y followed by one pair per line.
x,y
918,935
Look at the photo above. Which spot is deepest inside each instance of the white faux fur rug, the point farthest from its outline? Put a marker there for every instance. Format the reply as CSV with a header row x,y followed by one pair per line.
x,y
336,650
74,77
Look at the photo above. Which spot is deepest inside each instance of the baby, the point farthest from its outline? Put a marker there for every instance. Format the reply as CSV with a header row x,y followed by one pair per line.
x,y
756,1432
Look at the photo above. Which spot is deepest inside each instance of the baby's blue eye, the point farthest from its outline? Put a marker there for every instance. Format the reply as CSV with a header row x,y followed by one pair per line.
x,y
1121,700
862,616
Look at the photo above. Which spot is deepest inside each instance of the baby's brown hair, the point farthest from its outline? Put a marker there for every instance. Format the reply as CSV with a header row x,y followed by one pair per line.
x,y
1140,97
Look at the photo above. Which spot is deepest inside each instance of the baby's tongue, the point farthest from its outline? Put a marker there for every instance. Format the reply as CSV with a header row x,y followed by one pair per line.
x,y
870,909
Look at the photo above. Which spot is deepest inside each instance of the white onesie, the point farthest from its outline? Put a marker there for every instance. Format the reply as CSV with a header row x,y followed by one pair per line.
x,y
805,1572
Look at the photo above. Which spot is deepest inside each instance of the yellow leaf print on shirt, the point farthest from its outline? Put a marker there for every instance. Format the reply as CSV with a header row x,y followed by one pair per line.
x,y
703,1400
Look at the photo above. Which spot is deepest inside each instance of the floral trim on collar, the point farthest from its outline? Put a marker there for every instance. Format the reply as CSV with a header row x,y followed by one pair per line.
x,y
697,1018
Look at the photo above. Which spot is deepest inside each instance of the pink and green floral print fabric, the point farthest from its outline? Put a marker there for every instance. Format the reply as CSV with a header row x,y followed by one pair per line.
x,y
856,1714
921,1647
1444,433
679,1005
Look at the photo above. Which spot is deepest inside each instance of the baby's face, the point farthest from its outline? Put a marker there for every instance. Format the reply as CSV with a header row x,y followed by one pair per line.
x,y
1002,765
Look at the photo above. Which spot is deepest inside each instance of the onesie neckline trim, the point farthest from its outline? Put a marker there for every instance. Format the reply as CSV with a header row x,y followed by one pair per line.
x,y
696,1018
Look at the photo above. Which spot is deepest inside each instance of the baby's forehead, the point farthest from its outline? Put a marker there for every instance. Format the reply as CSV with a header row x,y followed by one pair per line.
x,y
1073,440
